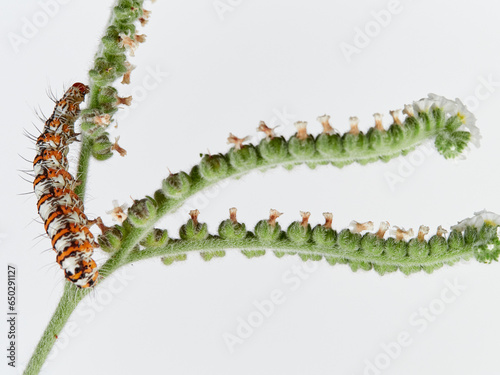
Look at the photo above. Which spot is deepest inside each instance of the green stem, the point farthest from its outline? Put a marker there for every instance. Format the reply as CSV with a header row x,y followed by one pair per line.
x,y
69,300
309,250
360,252
87,144
338,150
264,165
83,166
107,68
100,78
120,257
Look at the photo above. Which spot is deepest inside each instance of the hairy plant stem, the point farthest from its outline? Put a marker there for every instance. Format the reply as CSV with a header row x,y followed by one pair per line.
x,y
83,166
263,165
69,300
86,148
181,247
72,295
119,258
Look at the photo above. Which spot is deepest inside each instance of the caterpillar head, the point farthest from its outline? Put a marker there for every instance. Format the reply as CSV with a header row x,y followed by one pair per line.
x,y
83,273
83,89
75,94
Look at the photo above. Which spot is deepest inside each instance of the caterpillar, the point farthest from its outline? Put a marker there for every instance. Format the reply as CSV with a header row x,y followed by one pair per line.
x,y
58,205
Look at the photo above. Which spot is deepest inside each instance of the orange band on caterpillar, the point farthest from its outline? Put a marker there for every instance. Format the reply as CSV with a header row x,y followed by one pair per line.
x,y
58,205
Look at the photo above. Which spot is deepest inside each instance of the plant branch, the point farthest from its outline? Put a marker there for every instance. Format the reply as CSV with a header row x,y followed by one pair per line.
x,y
83,166
339,150
69,300
348,246
109,64
305,251
422,122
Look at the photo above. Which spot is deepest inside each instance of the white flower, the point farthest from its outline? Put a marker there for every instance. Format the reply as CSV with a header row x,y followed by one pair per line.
x,y
452,108
378,121
325,122
384,226
469,121
301,130
118,212
401,233
489,217
360,227
422,232
408,110
438,100
447,105
423,105
353,122
441,231
478,220
395,116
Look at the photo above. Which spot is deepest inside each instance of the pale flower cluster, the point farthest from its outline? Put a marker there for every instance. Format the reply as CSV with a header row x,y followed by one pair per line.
x,y
478,220
451,108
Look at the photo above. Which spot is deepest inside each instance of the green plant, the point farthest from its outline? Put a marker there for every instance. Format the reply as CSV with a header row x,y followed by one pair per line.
x,y
136,238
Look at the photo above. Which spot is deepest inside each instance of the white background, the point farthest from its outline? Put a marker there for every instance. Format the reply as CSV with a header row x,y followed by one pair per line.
x,y
225,75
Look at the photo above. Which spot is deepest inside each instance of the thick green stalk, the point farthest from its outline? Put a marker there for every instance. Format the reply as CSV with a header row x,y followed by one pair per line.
x,y
86,149
338,150
69,300
306,251
335,149
109,65
365,252
120,257
83,166
345,247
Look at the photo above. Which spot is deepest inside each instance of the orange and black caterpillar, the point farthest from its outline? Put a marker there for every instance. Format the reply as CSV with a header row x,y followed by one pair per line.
x,y
58,205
